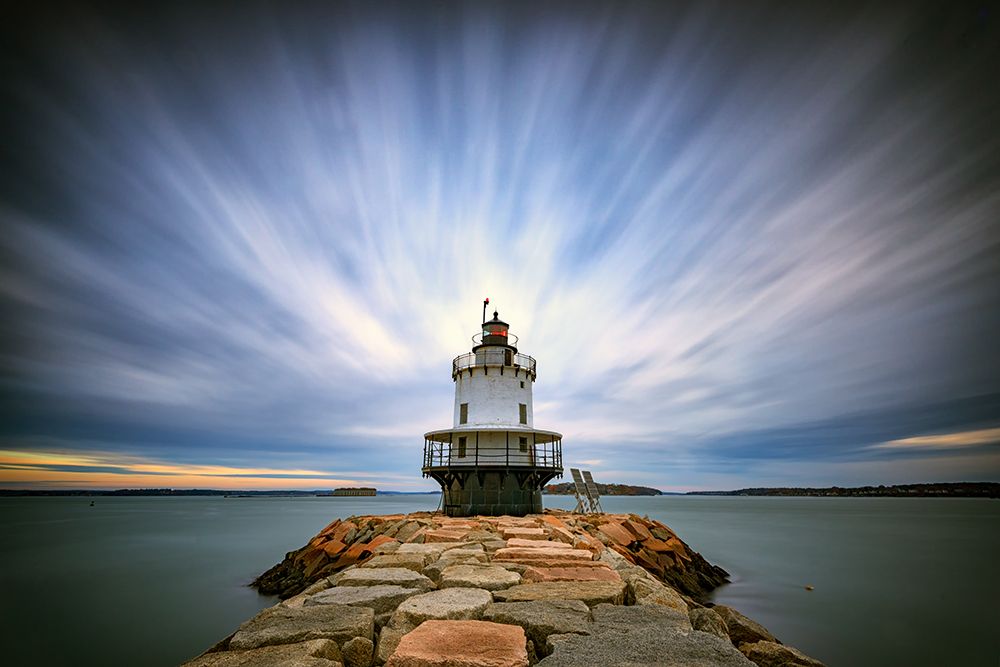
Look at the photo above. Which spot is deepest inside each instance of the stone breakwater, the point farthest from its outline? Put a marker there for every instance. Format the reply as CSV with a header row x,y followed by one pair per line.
x,y
554,589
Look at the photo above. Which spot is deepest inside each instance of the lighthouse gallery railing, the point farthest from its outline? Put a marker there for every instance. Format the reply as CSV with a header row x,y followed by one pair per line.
x,y
534,455
501,358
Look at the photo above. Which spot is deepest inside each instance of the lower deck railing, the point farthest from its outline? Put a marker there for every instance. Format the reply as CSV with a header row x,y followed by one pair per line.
x,y
512,454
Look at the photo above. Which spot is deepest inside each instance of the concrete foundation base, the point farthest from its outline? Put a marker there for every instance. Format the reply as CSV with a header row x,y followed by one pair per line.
x,y
492,494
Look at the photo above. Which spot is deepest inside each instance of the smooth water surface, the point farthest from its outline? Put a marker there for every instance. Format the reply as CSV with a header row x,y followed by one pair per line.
x,y
153,581
898,581
147,581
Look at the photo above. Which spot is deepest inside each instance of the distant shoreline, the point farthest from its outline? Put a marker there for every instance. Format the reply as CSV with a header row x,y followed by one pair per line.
x,y
943,490
930,490
935,490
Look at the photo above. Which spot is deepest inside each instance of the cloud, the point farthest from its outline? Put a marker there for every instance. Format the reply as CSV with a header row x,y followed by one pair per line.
x,y
113,470
267,257
978,438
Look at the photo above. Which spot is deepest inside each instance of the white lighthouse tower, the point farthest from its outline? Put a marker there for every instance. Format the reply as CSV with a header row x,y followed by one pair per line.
x,y
493,460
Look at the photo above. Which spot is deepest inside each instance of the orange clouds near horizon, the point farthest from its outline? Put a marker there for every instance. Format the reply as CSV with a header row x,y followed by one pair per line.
x,y
39,470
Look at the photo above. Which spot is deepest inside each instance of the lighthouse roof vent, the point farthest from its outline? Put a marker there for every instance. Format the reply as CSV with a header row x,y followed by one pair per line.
x,y
496,321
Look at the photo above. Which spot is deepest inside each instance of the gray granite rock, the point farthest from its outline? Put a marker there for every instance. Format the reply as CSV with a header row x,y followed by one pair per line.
x,y
553,639
382,599
633,571
396,576
708,620
450,604
470,547
434,570
313,653
382,620
415,562
407,531
643,591
487,577
388,640
317,587
665,649
295,601
332,579
742,629
614,559
431,550
513,567
772,654
542,618
281,625
466,554
491,546
646,635
654,618
358,652
386,548
299,600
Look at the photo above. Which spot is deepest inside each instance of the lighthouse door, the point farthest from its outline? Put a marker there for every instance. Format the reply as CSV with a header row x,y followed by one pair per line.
x,y
507,358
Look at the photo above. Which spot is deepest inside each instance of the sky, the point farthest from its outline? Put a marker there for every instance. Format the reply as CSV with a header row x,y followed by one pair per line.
x,y
749,244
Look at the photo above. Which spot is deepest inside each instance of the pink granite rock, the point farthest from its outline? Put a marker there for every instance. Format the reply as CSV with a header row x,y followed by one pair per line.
x,y
536,544
511,553
461,644
638,530
525,533
616,533
563,535
445,535
532,574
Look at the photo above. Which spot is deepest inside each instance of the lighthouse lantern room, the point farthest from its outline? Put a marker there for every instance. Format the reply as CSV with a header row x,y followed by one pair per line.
x,y
493,461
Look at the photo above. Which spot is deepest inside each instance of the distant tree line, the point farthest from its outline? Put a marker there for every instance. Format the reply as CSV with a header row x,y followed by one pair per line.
x,y
949,490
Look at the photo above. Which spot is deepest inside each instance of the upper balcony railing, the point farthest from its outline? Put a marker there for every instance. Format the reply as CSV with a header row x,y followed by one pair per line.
x,y
501,358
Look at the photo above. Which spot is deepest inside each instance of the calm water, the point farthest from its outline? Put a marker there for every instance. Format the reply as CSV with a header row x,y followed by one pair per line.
x,y
152,581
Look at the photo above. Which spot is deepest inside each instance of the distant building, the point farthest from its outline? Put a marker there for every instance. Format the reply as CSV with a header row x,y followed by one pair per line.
x,y
493,460
355,491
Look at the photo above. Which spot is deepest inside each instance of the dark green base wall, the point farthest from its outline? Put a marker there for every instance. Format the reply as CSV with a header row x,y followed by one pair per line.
x,y
498,495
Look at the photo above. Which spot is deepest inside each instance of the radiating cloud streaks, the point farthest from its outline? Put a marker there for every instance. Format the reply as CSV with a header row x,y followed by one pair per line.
x,y
986,436
256,239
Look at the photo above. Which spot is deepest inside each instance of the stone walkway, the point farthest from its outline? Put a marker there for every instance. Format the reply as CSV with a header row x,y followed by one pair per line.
x,y
556,589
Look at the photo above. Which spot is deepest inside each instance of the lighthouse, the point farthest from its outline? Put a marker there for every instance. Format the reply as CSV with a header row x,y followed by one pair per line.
x,y
493,460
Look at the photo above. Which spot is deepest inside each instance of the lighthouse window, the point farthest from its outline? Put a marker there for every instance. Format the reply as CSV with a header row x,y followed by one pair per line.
x,y
524,413
461,447
522,384
463,415
523,443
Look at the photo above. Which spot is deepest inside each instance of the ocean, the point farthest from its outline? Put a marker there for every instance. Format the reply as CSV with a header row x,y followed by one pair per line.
x,y
154,581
